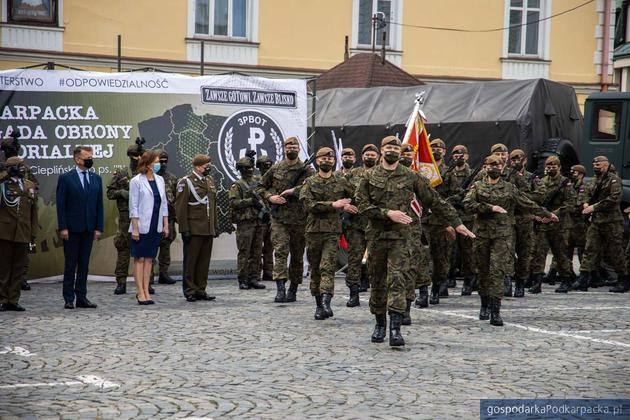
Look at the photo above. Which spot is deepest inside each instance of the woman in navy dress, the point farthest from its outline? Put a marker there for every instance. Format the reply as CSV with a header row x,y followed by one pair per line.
x,y
148,210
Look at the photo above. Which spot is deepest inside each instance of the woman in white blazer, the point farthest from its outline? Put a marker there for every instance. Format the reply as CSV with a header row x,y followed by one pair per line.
x,y
148,211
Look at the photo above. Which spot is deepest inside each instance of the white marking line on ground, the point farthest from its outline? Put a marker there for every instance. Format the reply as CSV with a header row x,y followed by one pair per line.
x,y
596,331
18,351
68,383
558,308
82,380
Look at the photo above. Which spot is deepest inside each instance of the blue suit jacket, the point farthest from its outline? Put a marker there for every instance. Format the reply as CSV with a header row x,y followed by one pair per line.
x,y
78,209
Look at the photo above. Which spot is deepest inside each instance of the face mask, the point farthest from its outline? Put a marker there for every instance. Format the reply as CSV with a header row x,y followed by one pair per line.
x,y
460,161
494,173
206,171
246,172
391,157
597,171
369,162
517,165
347,164
292,155
88,163
437,155
552,172
326,167
264,168
406,161
156,167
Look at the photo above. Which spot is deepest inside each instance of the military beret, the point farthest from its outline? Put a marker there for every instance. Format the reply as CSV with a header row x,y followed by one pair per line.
x,y
200,160
579,168
600,159
263,159
499,147
369,147
291,140
14,160
493,159
393,140
552,160
438,143
347,151
460,148
406,147
244,161
325,151
517,153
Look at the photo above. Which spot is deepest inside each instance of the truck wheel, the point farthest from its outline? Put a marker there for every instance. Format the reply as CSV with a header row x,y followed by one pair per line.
x,y
556,146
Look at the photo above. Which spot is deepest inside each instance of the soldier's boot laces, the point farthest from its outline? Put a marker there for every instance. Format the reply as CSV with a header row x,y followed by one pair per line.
x,y
422,301
582,282
435,294
292,293
507,286
519,288
623,285
319,309
25,285
378,336
467,287
444,289
281,295
484,312
166,279
536,284
565,285
354,297
406,320
121,288
495,313
395,338
326,297
256,284
242,284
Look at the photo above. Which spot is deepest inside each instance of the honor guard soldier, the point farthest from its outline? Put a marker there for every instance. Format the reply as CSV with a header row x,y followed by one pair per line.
x,y
195,205
281,187
164,255
18,217
264,163
247,213
348,159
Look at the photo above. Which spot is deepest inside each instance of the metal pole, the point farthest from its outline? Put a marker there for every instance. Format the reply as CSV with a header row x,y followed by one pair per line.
x,y
314,109
202,59
374,19
346,53
383,46
119,58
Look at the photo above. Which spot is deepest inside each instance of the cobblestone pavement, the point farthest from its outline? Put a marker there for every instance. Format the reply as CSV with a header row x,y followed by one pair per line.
x,y
244,356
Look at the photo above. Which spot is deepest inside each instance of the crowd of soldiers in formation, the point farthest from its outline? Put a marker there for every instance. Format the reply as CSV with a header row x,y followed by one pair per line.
x,y
401,234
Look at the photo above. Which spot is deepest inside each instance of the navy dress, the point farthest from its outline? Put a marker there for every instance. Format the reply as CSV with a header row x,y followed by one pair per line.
x,y
147,246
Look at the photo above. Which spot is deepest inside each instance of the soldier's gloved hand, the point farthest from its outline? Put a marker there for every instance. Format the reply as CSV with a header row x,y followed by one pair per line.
x,y
186,237
124,194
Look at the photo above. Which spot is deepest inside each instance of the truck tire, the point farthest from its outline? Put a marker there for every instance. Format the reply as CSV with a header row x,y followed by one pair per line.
x,y
556,146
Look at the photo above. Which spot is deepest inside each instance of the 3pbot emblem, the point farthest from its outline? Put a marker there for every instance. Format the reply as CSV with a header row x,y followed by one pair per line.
x,y
248,130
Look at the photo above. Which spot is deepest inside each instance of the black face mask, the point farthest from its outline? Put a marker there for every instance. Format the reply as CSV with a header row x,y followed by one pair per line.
x,y
206,171
597,171
347,164
406,161
517,165
369,162
88,163
494,173
326,167
391,157
246,172
437,155
460,161
292,154
552,172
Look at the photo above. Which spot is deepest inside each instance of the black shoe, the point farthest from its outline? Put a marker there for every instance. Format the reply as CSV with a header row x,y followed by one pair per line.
x,y
422,301
395,338
121,289
256,284
536,284
12,307
86,304
151,290
319,309
435,294
242,285
354,297
326,297
467,287
475,285
507,286
519,288
484,312
529,282
550,278
495,313
623,285
595,282
378,336
68,305
191,298
565,285
292,293
444,289
451,282
582,282
406,320
204,296
25,285
364,283
149,302
281,294
166,279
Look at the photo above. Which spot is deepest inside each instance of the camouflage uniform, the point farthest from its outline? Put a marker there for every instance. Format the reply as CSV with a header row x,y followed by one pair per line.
x,y
164,256
118,189
355,234
263,163
578,225
463,244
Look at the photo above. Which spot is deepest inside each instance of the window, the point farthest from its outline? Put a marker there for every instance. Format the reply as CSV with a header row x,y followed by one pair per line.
x,y
33,12
606,122
367,9
222,18
525,27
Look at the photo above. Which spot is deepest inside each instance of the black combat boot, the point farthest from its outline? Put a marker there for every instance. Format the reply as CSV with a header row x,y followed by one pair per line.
x,y
422,301
242,284
378,336
519,288
365,281
623,285
451,281
256,284
565,285
495,312
291,294
281,295
536,284
484,312
395,338
319,309
25,285
326,297
507,286
550,278
596,281
467,287
475,284
444,289
529,281
406,320
166,279
582,282
354,297
435,294
121,288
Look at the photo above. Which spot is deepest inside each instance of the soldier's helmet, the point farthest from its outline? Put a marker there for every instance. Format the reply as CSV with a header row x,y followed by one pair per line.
x,y
243,163
263,160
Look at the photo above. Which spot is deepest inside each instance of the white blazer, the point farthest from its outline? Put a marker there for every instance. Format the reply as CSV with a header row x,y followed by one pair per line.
x,y
141,202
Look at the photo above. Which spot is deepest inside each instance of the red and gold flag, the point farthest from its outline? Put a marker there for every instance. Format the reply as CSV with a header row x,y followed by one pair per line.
x,y
416,135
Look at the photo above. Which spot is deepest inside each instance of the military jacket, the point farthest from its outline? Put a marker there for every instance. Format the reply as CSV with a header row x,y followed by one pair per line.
x,y
382,190
118,189
242,200
461,175
18,210
578,220
606,209
170,183
318,195
278,179
449,190
194,216
357,221
527,183
482,196
561,203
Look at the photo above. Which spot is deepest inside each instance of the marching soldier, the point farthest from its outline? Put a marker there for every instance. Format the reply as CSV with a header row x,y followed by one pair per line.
x,y
164,255
577,233
281,187
348,159
195,205
384,195
18,216
324,196
264,163
246,214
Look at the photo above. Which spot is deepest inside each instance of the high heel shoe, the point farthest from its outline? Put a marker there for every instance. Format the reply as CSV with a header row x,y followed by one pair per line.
x,y
141,302
149,302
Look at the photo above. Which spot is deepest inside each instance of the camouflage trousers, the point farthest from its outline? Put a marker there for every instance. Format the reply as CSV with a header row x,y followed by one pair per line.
x,y
249,236
462,255
288,239
267,252
164,254
604,242
440,248
321,251
416,269
122,242
492,263
356,249
386,260
523,246
556,240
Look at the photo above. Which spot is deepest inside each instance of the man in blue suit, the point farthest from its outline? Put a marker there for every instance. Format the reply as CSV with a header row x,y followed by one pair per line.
x,y
80,222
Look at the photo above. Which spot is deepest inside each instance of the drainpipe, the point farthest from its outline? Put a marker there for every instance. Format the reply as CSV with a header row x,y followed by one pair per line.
x,y
605,47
